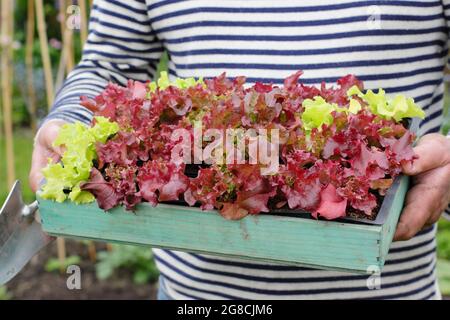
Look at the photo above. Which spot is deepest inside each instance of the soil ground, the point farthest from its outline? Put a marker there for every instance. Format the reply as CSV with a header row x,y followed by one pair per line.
x,y
34,282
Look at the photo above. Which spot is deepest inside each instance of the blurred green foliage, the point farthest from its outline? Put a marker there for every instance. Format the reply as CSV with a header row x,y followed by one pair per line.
x,y
54,264
23,146
443,240
138,260
443,271
446,123
4,294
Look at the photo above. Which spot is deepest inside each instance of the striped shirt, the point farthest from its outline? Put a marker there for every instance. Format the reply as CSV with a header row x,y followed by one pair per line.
x,y
398,45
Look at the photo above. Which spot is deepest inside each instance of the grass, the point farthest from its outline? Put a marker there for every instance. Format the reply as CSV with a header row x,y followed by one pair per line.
x,y
23,146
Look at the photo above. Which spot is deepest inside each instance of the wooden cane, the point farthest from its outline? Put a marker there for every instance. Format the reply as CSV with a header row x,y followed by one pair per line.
x,y
66,36
83,20
31,93
7,23
45,52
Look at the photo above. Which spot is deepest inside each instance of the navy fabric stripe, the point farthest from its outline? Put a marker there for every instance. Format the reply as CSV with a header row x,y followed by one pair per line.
x,y
285,38
121,27
386,76
131,70
433,130
428,296
128,8
117,56
275,52
119,15
126,39
414,86
125,48
436,99
280,24
310,66
432,116
66,114
426,230
299,9
403,294
219,294
190,296
74,81
423,97
411,258
411,247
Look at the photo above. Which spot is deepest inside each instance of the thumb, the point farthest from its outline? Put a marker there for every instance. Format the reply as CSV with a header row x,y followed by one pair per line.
x,y
432,151
43,150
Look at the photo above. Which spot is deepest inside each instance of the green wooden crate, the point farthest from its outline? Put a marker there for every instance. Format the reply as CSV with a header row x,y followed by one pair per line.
x,y
347,246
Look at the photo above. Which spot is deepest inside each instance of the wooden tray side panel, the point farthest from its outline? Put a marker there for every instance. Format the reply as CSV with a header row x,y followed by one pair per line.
x,y
289,240
395,209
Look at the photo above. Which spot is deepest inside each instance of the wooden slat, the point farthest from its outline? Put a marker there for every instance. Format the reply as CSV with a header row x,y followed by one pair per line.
x,y
395,209
7,32
297,241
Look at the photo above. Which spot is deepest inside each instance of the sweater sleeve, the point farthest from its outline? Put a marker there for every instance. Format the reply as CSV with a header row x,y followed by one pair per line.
x,y
121,45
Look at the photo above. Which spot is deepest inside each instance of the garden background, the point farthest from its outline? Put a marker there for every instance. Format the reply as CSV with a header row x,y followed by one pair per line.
x,y
41,41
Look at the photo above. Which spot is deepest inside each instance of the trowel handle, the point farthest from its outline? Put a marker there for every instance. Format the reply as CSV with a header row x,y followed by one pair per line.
x,y
30,210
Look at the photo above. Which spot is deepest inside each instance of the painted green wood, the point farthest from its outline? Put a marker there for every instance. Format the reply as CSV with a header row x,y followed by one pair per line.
x,y
395,207
289,240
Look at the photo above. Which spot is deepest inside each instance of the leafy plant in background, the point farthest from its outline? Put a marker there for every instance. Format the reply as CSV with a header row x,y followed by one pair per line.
x,y
443,253
4,294
443,240
54,264
138,260
443,271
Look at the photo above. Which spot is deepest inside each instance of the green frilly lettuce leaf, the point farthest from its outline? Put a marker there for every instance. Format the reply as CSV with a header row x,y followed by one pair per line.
x,y
397,108
78,142
163,82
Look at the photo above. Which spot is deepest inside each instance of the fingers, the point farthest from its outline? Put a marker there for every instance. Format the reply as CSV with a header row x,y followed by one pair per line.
x,y
430,195
43,150
425,202
48,133
420,209
433,151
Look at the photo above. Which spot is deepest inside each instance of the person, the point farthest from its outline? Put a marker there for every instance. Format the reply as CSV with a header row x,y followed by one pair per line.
x,y
398,45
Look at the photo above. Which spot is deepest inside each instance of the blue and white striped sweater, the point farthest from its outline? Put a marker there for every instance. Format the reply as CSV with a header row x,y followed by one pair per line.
x,y
398,45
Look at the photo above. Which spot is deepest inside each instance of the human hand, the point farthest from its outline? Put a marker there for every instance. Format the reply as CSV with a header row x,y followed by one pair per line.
x,y
430,192
43,150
